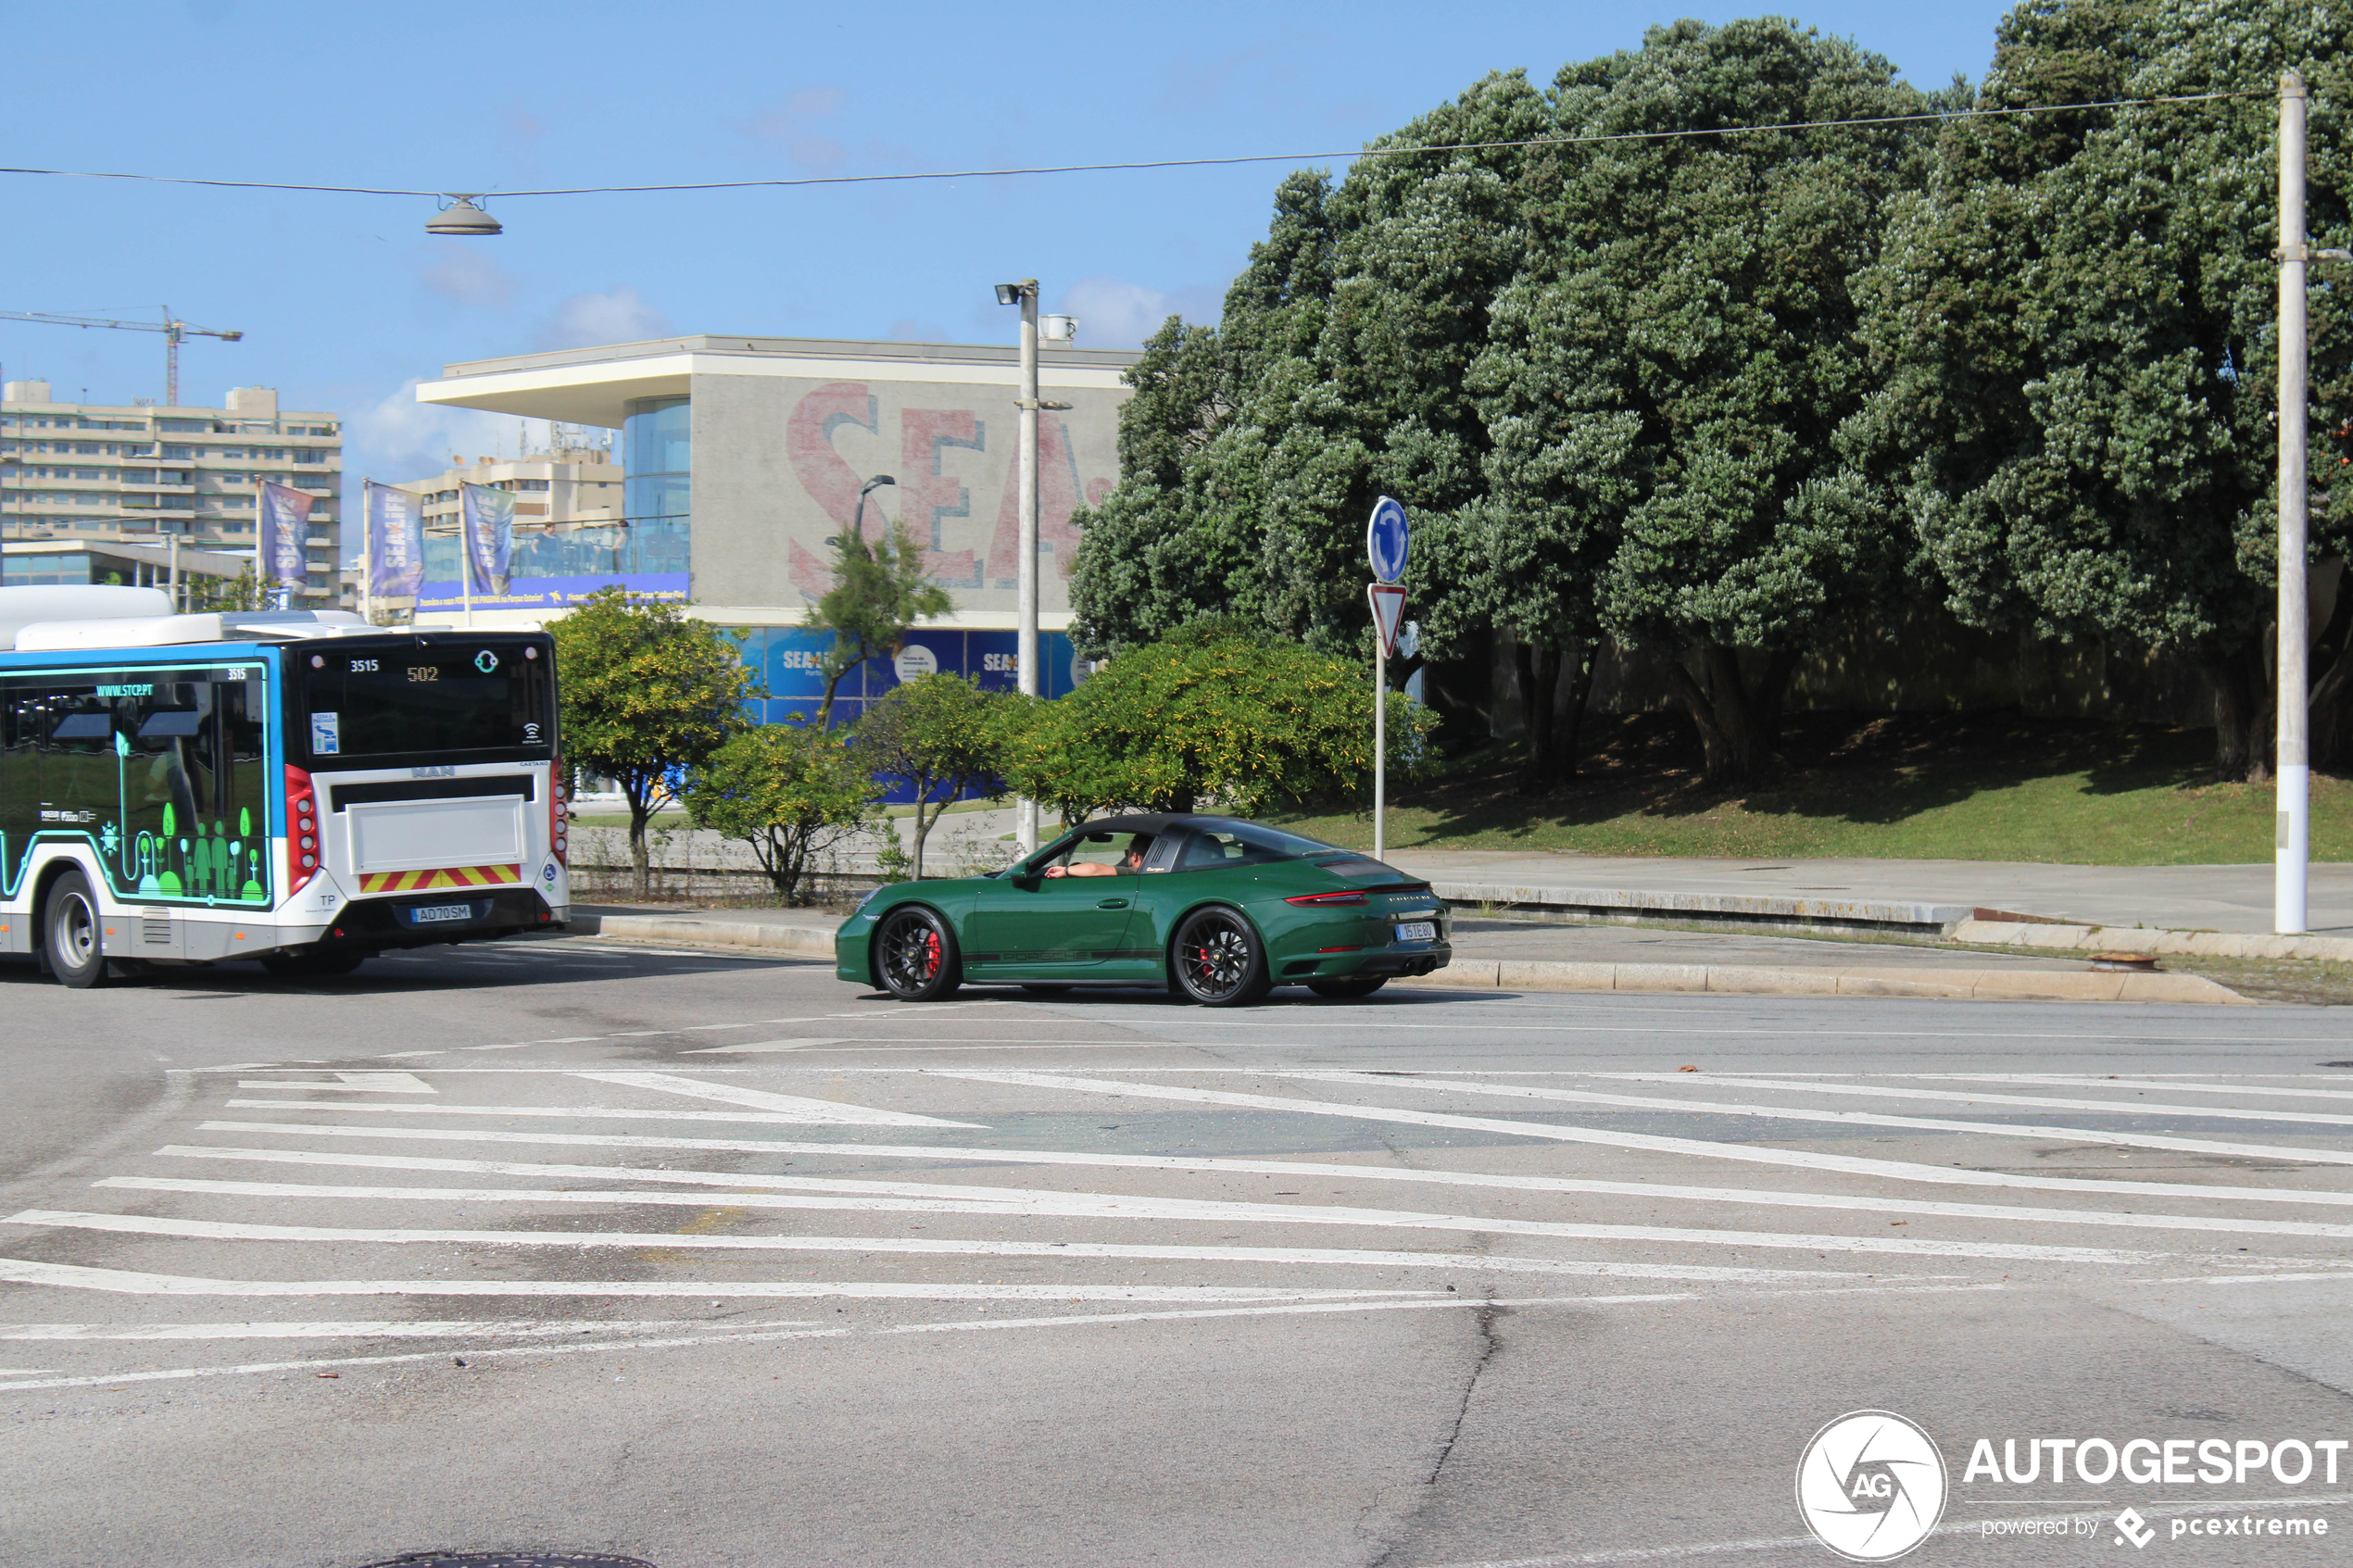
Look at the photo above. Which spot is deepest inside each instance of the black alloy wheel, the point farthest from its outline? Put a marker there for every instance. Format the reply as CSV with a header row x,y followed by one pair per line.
x,y
915,956
1339,990
1217,960
71,927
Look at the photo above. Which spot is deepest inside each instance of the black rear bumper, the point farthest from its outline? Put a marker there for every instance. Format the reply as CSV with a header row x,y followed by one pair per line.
x,y
376,923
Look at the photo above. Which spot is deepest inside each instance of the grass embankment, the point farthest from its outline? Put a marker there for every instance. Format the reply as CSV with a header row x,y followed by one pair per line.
x,y
1904,788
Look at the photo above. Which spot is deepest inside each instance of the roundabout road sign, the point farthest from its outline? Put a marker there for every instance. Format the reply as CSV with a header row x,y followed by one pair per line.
x,y
1385,540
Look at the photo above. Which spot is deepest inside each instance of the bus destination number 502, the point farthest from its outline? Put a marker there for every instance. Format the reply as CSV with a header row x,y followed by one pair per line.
x,y
425,672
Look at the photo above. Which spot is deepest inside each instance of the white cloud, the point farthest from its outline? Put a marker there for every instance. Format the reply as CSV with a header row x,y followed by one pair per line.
x,y
397,439
469,276
618,315
1116,314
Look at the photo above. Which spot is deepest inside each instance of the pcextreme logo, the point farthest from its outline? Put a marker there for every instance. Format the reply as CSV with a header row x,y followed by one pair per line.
x,y
1872,1486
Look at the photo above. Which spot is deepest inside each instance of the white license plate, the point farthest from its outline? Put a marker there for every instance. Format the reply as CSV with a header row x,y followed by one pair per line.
x,y
1417,931
442,911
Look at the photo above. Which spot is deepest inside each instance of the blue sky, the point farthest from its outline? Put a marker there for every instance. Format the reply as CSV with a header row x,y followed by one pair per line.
x,y
345,302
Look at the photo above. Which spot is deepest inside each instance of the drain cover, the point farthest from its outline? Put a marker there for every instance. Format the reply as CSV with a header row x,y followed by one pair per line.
x,y
510,1560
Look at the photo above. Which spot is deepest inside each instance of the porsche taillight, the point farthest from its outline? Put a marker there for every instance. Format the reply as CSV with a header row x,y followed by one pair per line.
x,y
302,831
559,810
1319,899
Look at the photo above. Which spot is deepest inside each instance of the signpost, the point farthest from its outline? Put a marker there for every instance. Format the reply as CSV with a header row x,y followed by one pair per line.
x,y
1385,545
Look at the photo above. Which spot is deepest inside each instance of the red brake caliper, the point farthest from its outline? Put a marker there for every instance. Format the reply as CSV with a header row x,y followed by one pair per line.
x,y
931,954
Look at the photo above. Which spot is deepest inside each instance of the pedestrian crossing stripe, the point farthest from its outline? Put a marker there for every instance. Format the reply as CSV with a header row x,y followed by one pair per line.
x,y
444,876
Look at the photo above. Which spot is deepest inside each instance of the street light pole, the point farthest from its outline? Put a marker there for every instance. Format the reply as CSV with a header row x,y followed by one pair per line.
x,y
1026,647
2292,841
858,518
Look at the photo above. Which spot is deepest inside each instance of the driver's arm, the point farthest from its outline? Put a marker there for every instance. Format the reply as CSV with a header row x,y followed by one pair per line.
x,y
1091,867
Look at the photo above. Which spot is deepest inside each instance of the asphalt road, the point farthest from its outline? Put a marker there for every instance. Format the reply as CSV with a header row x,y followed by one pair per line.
x,y
566,1245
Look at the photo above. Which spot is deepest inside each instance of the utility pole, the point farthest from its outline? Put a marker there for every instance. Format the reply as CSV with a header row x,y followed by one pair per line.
x,y
2292,841
1025,501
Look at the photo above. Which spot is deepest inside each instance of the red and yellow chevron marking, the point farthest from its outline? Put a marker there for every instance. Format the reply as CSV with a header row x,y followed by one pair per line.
x,y
447,877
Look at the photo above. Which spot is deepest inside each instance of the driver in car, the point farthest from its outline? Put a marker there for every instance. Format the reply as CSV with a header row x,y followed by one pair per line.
x,y
1129,863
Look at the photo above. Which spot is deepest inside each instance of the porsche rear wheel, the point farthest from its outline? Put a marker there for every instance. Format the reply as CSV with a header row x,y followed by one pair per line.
x,y
1218,961
915,956
1341,989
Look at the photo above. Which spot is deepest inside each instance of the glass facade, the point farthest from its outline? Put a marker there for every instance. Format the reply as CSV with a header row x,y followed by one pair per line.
x,y
657,449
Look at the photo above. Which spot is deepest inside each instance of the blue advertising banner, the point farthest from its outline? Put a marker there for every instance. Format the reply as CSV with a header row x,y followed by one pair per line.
x,y
286,517
395,521
552,592
488,525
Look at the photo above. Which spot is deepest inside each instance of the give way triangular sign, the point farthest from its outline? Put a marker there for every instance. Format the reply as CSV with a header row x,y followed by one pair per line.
x,y
1388,613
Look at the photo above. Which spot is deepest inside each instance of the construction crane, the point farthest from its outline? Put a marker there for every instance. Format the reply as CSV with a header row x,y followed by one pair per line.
x,y
173,328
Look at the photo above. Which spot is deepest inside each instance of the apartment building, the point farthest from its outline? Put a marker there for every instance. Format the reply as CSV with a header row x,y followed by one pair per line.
x,y
567,483
138,474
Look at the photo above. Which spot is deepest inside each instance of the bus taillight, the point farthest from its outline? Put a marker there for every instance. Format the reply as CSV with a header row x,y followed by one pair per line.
x,y
559,809
302,831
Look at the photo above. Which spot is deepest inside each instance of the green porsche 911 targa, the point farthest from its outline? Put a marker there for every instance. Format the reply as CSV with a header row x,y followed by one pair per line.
x,y
1219,910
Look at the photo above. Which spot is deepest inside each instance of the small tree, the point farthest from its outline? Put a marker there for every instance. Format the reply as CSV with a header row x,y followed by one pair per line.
x,y
791,793
1248,723
937,734
879,591
646,692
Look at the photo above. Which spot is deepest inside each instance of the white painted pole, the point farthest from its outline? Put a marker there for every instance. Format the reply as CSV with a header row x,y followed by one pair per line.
x,y
1380,742
171,570
2291,842
1026,811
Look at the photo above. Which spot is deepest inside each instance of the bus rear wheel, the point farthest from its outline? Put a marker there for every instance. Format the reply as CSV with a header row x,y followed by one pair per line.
x,y
69,932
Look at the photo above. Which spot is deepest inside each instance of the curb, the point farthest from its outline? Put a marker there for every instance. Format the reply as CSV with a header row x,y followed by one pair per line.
x,y
1936,984
1617,904
805,941
2143,939
1491,974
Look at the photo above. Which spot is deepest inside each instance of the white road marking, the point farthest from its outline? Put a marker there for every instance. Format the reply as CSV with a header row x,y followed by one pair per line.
x,y
1888,1169
2143,1081
594,1112
1097,1206
386,1328
216,1230
2232,1225
824,1111
370,1083
766,1046
2292,1153
134,1282
1750,1153
2048,1102
975,1325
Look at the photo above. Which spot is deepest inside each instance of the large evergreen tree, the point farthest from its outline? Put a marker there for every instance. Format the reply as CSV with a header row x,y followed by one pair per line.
x,y
2076,325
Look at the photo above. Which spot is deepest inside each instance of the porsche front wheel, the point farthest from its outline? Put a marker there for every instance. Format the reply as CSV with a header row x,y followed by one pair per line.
x,y
915,956
1218,961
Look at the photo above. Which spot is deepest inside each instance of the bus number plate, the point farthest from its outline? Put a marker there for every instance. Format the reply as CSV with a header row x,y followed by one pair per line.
x,y
431,912
1417,931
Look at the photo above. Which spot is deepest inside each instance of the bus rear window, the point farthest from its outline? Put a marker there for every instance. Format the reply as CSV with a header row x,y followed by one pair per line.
x,y
426,699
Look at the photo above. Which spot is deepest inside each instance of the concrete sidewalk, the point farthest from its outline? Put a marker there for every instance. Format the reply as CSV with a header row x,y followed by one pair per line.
x,y
1510,955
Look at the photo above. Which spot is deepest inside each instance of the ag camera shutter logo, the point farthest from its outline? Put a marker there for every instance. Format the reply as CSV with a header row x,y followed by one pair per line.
x,y
1872,1486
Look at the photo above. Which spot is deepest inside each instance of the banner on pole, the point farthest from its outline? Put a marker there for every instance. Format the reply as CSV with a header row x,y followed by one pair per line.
x,y
395,524
1388,613
488,524
285,519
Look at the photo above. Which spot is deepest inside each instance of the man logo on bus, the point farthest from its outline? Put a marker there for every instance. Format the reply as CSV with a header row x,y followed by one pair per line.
x,y
485,662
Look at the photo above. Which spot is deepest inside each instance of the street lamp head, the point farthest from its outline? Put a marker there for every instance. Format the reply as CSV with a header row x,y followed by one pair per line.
x,y
1009,293
462,217
879,479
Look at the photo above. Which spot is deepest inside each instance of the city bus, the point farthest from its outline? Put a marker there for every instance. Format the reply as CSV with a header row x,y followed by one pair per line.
x,y
295,787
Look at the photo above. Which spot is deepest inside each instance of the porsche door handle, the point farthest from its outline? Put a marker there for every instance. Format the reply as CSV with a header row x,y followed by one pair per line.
x,y
1112,904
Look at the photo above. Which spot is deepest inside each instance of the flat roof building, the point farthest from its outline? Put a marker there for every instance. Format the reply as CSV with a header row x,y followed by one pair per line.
x,y
138,474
